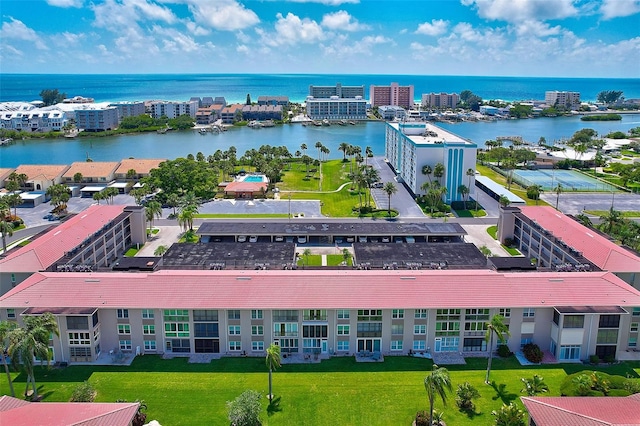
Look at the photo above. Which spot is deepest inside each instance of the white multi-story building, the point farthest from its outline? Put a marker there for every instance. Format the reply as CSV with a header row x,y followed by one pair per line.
x,y
564,99
174,109
336,108
129,109
409,146
22,116
96,117
440,100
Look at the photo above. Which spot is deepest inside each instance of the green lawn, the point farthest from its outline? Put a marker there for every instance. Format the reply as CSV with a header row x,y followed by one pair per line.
x,y
336,391
311,260
471,213
237,216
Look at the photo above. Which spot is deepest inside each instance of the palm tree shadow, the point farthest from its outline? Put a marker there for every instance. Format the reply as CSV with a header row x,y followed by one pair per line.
x,y
502,393
274,406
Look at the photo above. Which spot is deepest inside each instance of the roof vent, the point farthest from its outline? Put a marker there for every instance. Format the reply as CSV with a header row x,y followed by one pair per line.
x,y
92,280
407,278
243,278
556,280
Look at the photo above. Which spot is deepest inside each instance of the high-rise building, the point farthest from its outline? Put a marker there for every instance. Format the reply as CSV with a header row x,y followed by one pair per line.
x,y
394,95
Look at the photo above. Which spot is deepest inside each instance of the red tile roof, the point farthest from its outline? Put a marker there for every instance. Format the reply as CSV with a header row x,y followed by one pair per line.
x,y
603,253
246,187
326,289
45,250
23,413
584,411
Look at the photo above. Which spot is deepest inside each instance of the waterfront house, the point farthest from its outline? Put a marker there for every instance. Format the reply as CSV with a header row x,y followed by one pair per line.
x,y
142,167
91,171
173,109
129,109
248,190
273,100
261,112
206,115
4,174
41,176
96,117
231,113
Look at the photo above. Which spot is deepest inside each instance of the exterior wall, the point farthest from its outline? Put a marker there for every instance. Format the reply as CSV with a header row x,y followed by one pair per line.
x,y
570,99
97,119
174,109
391,95
440,100
9,280
262,112
338,90
399,332
129,109
34,120
336,108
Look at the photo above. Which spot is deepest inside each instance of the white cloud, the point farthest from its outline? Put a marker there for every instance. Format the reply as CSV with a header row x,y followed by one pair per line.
x,y
175,41
226,16
65,3
342,21
115,15
242,48
536,29
12,51
522,10
153,11
327,2
135,44
619,8
292,30
434,28
17,30
197,30
343,47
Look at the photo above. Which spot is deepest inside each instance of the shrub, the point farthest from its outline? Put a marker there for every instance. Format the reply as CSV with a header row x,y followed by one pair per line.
x,y
609,359
422,418
509,415
84,392
532,353
503,351
594,359
465,394
590,383
631,385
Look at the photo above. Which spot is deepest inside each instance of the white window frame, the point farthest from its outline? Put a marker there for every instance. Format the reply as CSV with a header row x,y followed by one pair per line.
x,y
421,313
148,314
343,313
419,329
124,328
505,312
257,314
396,345
257,346
397,314
343,345
528,313
419,345
148,329
234,330
257,330
122,313
125,344
235,345
150,345
343,329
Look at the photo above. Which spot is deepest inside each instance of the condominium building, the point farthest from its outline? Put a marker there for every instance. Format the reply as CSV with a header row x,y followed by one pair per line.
x,y
409,146
129,109
563,99
394,94
338,90
232,113
96,117
440,100
25,117
336,108
273,100
262,112
174,109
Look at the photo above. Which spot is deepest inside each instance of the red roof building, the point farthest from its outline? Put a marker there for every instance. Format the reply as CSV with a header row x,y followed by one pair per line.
x,y
17,412
583,411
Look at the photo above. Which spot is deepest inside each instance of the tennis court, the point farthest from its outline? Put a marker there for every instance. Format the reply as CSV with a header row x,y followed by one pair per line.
x,y
569,179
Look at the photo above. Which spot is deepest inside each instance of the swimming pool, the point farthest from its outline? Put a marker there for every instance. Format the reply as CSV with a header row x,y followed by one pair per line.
x,y
253,178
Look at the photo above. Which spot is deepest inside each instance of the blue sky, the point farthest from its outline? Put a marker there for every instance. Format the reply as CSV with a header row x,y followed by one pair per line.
x,y
563,38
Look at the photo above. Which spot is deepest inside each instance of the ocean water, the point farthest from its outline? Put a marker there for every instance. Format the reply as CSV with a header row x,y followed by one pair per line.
x,y
235,87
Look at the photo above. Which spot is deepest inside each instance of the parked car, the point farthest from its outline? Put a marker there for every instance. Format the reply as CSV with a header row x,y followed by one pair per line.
x,y
302,240
253,239
279,239
385,239
242,238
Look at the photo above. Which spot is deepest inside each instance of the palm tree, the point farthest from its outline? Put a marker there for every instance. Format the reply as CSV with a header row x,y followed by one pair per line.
x,y
611,220
463,190
160,251
504,200
185,218
558,190
5,328
470,173
437,383
152,210
533,191
438,171
303,147
319,148
368,152
6,228
496,327
344,147
306,253
273,361
427,170
389,188
31,341
534,386
77,178
371,176
509,164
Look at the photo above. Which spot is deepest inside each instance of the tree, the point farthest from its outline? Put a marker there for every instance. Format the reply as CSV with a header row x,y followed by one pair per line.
x,y
185,217
558,190
346,256
437,383
97,196
60,194
495,328
609,96
160,251
245,409
611,221
272,360
509,415
465,394
389,188
77,178
533,192
83,392
534,386
306,253
344,147
306,160
6,229
5,329
470,173
504,200
52,96
131,174
31,341
463,190
248,99
427,170
438,171
152,210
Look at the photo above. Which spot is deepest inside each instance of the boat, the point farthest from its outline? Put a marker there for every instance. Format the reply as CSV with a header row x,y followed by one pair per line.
x,y
7,142
342,122
202,131
267,123
254,124
316,123
71,133
353,123
326,122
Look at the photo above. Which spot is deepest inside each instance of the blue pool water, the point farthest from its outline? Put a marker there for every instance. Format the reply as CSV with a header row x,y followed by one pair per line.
x,y
252,179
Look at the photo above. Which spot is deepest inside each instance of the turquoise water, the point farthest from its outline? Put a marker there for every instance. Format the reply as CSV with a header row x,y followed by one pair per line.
x,y
252,179
569,179
235,87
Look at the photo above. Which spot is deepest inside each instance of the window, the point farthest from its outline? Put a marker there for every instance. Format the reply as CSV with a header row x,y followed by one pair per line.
x,y
256,314
123,313
609,321
79,352
11,313
397,314
235,345
475,326
13,278
79,339
343,345
634,327
396,345
257,346
149,345
573,321
124,329
505,312
77,323
204,315
149,329
525,340
343,314
607,336
397,328
285,329
205,329
176,315
179,329
633,341
420,314
556,317
369,329
528,312
314,315
94,318
476,314
125,345
315,331
369,315
257,330
447,314
285,315
635,312
474,345
447,328
419,329
343,330
419,345
148,314
234,330
570,352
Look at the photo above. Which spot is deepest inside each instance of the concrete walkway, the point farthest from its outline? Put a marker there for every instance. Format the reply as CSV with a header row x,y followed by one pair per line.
x,y
165,237
477,234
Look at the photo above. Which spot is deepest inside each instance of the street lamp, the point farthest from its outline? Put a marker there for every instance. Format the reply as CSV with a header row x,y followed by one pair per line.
x,y
289,207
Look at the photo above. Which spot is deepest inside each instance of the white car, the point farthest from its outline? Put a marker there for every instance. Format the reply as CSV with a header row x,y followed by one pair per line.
x,y
385,239
302,240
242,238
279,239
253,239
